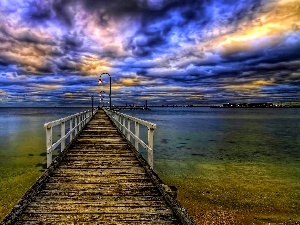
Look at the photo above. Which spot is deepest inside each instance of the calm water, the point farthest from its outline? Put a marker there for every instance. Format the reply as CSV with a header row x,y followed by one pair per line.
x,y
240,135
234,165
241,166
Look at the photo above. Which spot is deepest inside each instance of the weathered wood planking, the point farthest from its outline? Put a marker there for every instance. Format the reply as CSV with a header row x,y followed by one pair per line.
x,y
100,179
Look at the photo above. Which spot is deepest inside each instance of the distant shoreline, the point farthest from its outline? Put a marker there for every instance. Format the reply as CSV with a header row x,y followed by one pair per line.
x,y
167,106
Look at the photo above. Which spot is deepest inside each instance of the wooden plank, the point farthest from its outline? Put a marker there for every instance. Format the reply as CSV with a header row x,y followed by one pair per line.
x,y
100,135
103,192
111,187
119,147
139,178
45,197
100,157
103,165
94,209
90,139
104,172
100,218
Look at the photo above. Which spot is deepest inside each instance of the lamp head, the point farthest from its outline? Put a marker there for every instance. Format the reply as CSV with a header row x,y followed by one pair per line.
x,y
100,81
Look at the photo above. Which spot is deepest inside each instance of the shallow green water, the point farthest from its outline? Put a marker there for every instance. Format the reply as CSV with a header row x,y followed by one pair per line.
x,y
22,150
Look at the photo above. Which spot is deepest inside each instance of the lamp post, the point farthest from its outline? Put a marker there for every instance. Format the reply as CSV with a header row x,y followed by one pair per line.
x,y
100,82
102,98
92,103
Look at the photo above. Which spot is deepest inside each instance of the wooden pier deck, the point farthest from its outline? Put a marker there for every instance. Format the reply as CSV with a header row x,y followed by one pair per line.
x,y
99,179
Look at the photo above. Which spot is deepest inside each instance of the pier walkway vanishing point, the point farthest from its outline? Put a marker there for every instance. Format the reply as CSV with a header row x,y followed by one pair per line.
x,y
99,177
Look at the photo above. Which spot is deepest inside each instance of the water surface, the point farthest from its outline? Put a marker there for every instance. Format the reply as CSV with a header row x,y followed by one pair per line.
x,y
236,165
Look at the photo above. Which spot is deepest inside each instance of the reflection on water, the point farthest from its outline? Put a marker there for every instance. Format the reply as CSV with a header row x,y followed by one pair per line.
x,y
235,165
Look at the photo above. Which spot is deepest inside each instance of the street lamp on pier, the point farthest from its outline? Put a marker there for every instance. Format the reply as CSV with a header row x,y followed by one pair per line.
x,y
102,98
100,82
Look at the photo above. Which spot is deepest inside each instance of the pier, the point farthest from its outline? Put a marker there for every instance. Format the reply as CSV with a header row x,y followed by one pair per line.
x,y
99,177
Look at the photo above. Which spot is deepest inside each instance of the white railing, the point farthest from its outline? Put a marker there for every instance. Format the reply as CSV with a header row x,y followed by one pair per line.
x,y
76,124
123,123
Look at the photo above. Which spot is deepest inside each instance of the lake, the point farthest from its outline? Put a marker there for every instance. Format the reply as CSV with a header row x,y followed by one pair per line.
x,y
239,166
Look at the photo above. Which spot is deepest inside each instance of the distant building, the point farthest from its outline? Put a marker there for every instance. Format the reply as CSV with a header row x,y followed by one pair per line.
x,y
248,105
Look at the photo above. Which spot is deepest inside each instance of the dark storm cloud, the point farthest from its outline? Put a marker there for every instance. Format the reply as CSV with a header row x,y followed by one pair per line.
x,y
46,68
64,10
143,44
67,67
26,36
73,41
113,8
40,11
4,62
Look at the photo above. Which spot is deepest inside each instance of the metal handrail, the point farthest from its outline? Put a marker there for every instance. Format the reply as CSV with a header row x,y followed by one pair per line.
x,y
119,120
80,120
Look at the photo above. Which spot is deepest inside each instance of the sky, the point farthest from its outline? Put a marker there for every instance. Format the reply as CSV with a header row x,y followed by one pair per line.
x,y
52,52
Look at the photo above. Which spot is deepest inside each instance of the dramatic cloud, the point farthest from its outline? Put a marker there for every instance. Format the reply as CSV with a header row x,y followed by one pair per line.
x,y
164,51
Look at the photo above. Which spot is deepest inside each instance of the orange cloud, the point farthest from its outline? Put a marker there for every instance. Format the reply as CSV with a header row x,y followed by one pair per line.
x,y
266,30
3,93
69,95
132,81
250,86
93,65
48,86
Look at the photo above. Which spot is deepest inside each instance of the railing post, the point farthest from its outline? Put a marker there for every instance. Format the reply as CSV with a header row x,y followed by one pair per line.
x,y
117,120
137,133
121,125
124,125
150,144
128,127
80,122
48,145
62,135
71,127
78,118
75,125
83,119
